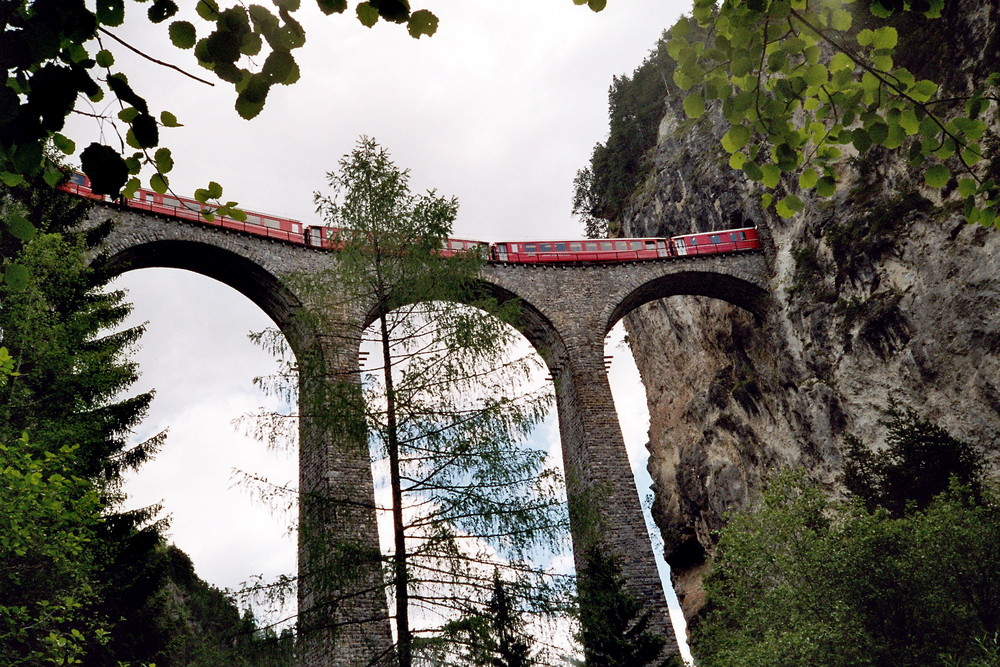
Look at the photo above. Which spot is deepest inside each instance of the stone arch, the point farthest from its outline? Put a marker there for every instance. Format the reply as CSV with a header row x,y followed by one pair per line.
x,y
739,291
242,274
534,325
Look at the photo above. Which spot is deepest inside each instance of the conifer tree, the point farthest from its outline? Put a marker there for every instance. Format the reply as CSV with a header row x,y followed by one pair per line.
x,y
445,404
61,417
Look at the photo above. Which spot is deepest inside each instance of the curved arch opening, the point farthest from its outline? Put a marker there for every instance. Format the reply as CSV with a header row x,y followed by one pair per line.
x,y
197,355
226,267
737,291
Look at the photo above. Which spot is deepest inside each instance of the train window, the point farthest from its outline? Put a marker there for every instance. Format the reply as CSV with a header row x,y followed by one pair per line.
x,y
650,245
253,219
545,247
636,245
732,237
591,246
456,245
693,240
502,247
529,247
272,224
714,238
170,201
560,247
576,247
621,245
606,245
743,236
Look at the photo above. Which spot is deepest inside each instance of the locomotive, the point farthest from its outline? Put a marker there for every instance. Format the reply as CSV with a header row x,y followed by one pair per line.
x,y
512,252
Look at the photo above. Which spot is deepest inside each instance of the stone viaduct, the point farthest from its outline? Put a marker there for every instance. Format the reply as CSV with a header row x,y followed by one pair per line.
x,y
566,313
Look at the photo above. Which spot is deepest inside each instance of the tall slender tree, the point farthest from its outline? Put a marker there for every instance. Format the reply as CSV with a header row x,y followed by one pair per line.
x,y
445,403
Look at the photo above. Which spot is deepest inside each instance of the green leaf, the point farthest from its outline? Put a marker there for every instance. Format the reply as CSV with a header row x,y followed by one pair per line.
x,y
771,175
597,5
367,14
826,186
937,176
63,143
182,34
207,9
332,6
766,199
753,171
11,179
736,138
737,160
163,160
885,37
967,187
789,206
808,178
865,37
17,276
841,19
20,227
104,58
422,22
816,75
161,10
214,190
923,90
159,183
146,131
131,187
105,168
110,12
168,119
694,105
841,61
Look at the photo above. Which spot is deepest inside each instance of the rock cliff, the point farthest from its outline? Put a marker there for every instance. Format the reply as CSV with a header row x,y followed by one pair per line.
x,y
882,291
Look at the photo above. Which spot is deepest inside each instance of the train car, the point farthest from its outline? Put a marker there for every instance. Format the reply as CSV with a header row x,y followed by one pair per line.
x,y
79,185
326,237
585,250
259,224
726,240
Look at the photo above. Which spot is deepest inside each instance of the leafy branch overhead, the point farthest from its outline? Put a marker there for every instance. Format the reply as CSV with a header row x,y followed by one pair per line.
x,y
805,84
60,59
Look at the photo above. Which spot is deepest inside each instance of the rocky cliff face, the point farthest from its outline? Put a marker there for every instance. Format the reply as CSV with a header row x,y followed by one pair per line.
x,y
882,291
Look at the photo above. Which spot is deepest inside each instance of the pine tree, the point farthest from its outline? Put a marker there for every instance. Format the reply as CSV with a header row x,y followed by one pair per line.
x,y
615,624
62,411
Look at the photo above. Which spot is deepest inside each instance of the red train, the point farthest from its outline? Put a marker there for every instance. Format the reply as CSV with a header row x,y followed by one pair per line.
x,y
516,252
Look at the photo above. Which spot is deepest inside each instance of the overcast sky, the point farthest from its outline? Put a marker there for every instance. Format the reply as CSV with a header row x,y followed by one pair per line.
x,y
500,109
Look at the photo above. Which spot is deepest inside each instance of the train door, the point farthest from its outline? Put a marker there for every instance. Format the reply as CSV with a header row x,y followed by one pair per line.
x,y
661,248
679,245
501,253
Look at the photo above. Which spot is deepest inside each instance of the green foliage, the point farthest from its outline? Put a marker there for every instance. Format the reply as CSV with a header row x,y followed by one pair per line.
x,y
48,517
63,475
54,53
491,637
80,581
445,405
615,624
803,86
802,580
618,166
919,462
